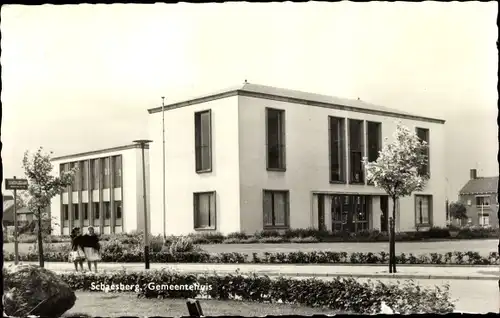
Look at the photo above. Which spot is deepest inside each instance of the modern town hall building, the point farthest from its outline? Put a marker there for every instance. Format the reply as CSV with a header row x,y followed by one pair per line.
x,y
106,193
255,157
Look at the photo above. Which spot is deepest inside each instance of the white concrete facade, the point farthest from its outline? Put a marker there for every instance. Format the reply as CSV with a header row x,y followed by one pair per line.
x,y
239,173
129,193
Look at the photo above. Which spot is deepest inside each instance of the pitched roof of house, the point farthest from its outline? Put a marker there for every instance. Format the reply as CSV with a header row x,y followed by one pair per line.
x,y
484,185
270,92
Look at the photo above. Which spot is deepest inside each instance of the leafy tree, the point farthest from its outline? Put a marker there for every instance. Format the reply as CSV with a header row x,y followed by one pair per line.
x,y
43,186
396,171
458,210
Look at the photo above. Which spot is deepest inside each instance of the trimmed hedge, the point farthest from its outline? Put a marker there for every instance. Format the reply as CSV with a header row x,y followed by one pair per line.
x,y
289,236
114,254
342,294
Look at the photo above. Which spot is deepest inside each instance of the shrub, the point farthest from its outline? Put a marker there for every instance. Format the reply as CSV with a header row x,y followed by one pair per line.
x,y
267,233
272,239
250,240
307,239
207,238
342,294
237,235
183,245
232,240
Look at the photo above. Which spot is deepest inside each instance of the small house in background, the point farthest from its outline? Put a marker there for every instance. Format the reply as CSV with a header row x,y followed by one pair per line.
x,y
480,196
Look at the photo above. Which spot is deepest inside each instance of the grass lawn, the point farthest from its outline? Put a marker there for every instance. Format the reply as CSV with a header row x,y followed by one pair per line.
x,y
127,304
484,247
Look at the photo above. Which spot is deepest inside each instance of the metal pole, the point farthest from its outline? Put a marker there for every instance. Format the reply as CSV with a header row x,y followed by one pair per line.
x,y
163,136
146,228
16,243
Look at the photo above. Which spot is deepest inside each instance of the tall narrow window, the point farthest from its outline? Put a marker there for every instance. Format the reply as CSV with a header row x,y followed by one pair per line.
x,y
276,209
97,214
356,151
117,173
65,212
62,169
85,175
95,174
85,208
76,212
118,209
203,141
423,210
107,210
204,210
76,176
423,135
275,134
337,149
374,139
105,173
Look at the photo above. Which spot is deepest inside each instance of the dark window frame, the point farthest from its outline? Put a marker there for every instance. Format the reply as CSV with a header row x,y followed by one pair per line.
x,y
117,172
273,213
339,142
95,174
85,210
84,175
105,166
280,144
370,149
96,212
418,207
202,166
360,150
212,217
426,133
75,184
118,206
76,212
65,213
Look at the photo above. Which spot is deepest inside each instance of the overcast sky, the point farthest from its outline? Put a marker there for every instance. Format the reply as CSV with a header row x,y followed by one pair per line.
x,y
81,77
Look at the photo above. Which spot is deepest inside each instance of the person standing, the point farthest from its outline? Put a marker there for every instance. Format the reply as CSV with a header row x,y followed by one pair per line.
x,y
92,248
77,255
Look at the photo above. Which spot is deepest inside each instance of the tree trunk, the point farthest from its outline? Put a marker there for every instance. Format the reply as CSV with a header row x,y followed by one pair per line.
x,y
393,234
40,239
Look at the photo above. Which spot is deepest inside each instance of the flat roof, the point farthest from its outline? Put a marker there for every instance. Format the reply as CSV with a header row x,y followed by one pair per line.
x,y
99,151
297,97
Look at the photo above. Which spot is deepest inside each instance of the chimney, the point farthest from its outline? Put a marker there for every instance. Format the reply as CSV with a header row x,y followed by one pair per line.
x,y
473,174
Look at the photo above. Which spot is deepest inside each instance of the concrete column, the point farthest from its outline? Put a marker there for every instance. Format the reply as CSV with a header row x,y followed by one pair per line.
x,y
376,212
80,183
101,202
347,152
90,192
328,212
365,147
112,221
314,212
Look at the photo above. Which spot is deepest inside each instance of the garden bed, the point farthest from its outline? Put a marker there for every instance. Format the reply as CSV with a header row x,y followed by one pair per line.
x,y
339,294
293,236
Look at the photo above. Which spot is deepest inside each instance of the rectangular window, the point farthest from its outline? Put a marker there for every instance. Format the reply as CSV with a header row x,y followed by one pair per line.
x,y
76,177
95,174
275,134
107,210
105,173
276,209
423,210
85,208
65,211
356,151
204,210
95,208
85,175
62,169
76,212
203,140
483,201
118,209
374,138
423,135
117,173
337,149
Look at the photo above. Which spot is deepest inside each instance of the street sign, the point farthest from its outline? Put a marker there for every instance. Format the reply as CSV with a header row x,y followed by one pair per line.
x,y
16,184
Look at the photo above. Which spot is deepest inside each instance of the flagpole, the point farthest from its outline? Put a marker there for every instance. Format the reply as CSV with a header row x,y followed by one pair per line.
x,y
163,136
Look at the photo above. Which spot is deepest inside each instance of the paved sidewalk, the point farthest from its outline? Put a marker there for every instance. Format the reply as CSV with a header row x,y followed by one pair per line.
x,y
376,271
